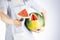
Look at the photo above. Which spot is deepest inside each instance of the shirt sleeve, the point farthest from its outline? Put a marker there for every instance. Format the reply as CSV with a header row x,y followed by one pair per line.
x,y
35,4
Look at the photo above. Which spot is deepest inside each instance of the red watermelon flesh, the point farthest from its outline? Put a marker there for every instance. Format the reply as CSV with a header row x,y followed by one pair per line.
x,y
33,17
23,13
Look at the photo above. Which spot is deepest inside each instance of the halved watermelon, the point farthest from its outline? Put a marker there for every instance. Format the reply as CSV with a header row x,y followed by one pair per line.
x,y
23,13
35,23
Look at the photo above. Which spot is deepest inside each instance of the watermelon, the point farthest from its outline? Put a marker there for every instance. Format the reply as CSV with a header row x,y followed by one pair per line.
x,y
23,13
33,17
35,23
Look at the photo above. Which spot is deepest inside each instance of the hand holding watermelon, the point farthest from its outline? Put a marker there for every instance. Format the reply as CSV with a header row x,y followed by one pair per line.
x,y
33,21
17,23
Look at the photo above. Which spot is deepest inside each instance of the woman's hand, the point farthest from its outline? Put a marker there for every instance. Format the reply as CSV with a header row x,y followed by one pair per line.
x,y
5,18
17,23
44,14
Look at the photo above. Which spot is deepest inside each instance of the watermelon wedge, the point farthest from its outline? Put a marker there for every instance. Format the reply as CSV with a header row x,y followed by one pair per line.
x,y
33,17
23,13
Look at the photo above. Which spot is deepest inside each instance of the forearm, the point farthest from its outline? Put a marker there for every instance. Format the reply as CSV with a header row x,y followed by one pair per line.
x,y
6,18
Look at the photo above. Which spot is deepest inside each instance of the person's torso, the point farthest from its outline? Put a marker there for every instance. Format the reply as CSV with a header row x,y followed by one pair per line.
x,y
22,31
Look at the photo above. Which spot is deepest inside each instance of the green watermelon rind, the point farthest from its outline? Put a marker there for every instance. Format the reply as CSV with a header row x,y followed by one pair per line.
x,y
27,23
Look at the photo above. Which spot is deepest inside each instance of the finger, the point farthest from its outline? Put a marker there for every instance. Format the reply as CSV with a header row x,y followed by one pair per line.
x,y
20,19
19,25
42,14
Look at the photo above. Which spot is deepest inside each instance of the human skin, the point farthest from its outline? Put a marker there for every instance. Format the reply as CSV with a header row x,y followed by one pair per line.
x,y
5,18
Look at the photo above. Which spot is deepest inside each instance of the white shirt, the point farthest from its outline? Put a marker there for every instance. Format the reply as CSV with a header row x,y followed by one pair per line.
x,y
22,33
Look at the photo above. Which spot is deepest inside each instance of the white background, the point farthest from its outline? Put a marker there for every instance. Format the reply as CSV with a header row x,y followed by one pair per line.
x,y
52,28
